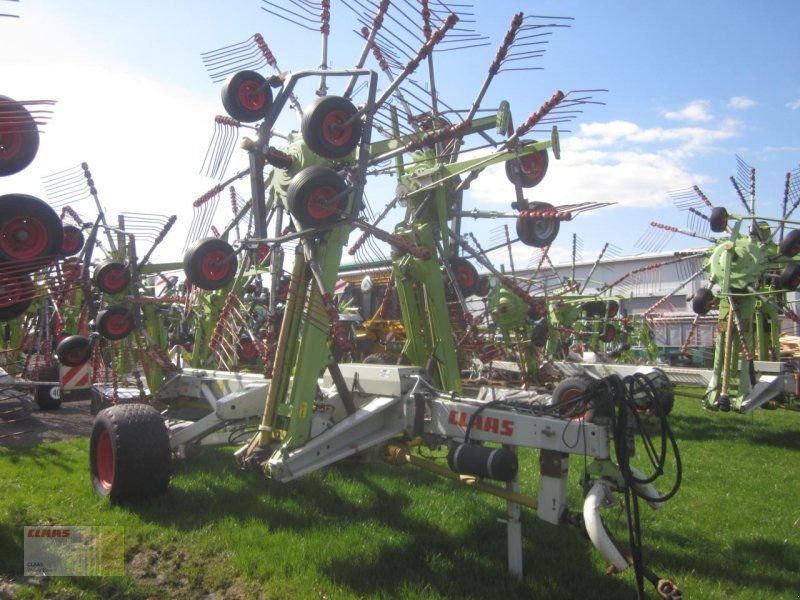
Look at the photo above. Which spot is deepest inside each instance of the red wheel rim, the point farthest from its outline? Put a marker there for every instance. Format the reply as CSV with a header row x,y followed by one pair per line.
x,y
215,266
114,278
319,205
72,241
609,333
577,411
465,276
532,165
118,324
105,460
11,140
23,238
247,349
251,95
262,251
332,130
77,355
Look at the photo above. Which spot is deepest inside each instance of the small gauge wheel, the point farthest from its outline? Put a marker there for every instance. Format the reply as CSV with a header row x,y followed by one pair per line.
x,y
718,219
246,97
111,277
210,263
74,350
703,301
529,170
316,196
31,233
19,137
540,232
72,242
115,322
327,127
466,275
790,245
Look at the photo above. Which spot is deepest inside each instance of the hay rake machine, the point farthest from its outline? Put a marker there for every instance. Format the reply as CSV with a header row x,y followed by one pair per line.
x,y
314,410
750,269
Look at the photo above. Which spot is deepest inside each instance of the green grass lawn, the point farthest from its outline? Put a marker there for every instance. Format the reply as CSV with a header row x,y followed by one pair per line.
x,y
377,531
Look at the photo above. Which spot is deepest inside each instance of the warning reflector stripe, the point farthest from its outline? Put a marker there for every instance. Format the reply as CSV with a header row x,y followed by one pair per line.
x,y
76,377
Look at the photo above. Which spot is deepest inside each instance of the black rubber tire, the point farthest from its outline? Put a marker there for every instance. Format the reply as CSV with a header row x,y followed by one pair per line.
x,y
73,351
528,171
594,309
129,453
608,333
538,233
245,97
612,309
115,322
718,219
484,286
318,127
48,397
380,358
16,294
19,137
247,351
111,277
30,232
308,196
564,396
210,263
664,391
789,278
466,275
540,333
790,244
72,241
703,301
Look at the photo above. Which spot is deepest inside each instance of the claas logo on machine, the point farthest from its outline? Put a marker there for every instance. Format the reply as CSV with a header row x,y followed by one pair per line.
x,y
48,532
504,427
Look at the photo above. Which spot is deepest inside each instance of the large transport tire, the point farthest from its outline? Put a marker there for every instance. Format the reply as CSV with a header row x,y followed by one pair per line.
x,y
210,263
322,127
311,194
48,397
538,233
567,396
19,137
245,96
16,294
529,170
73,351
111,277
31,233
115,322
129,453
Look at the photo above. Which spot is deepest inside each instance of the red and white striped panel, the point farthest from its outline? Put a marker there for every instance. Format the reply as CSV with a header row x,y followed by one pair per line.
x,y
76,378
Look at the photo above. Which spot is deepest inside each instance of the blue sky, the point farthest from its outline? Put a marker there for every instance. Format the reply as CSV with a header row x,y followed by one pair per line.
x,y
691,85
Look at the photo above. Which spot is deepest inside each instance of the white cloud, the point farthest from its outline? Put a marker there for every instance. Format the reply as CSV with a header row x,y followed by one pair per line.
x,y
741,102
794,104
144,142
695,111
